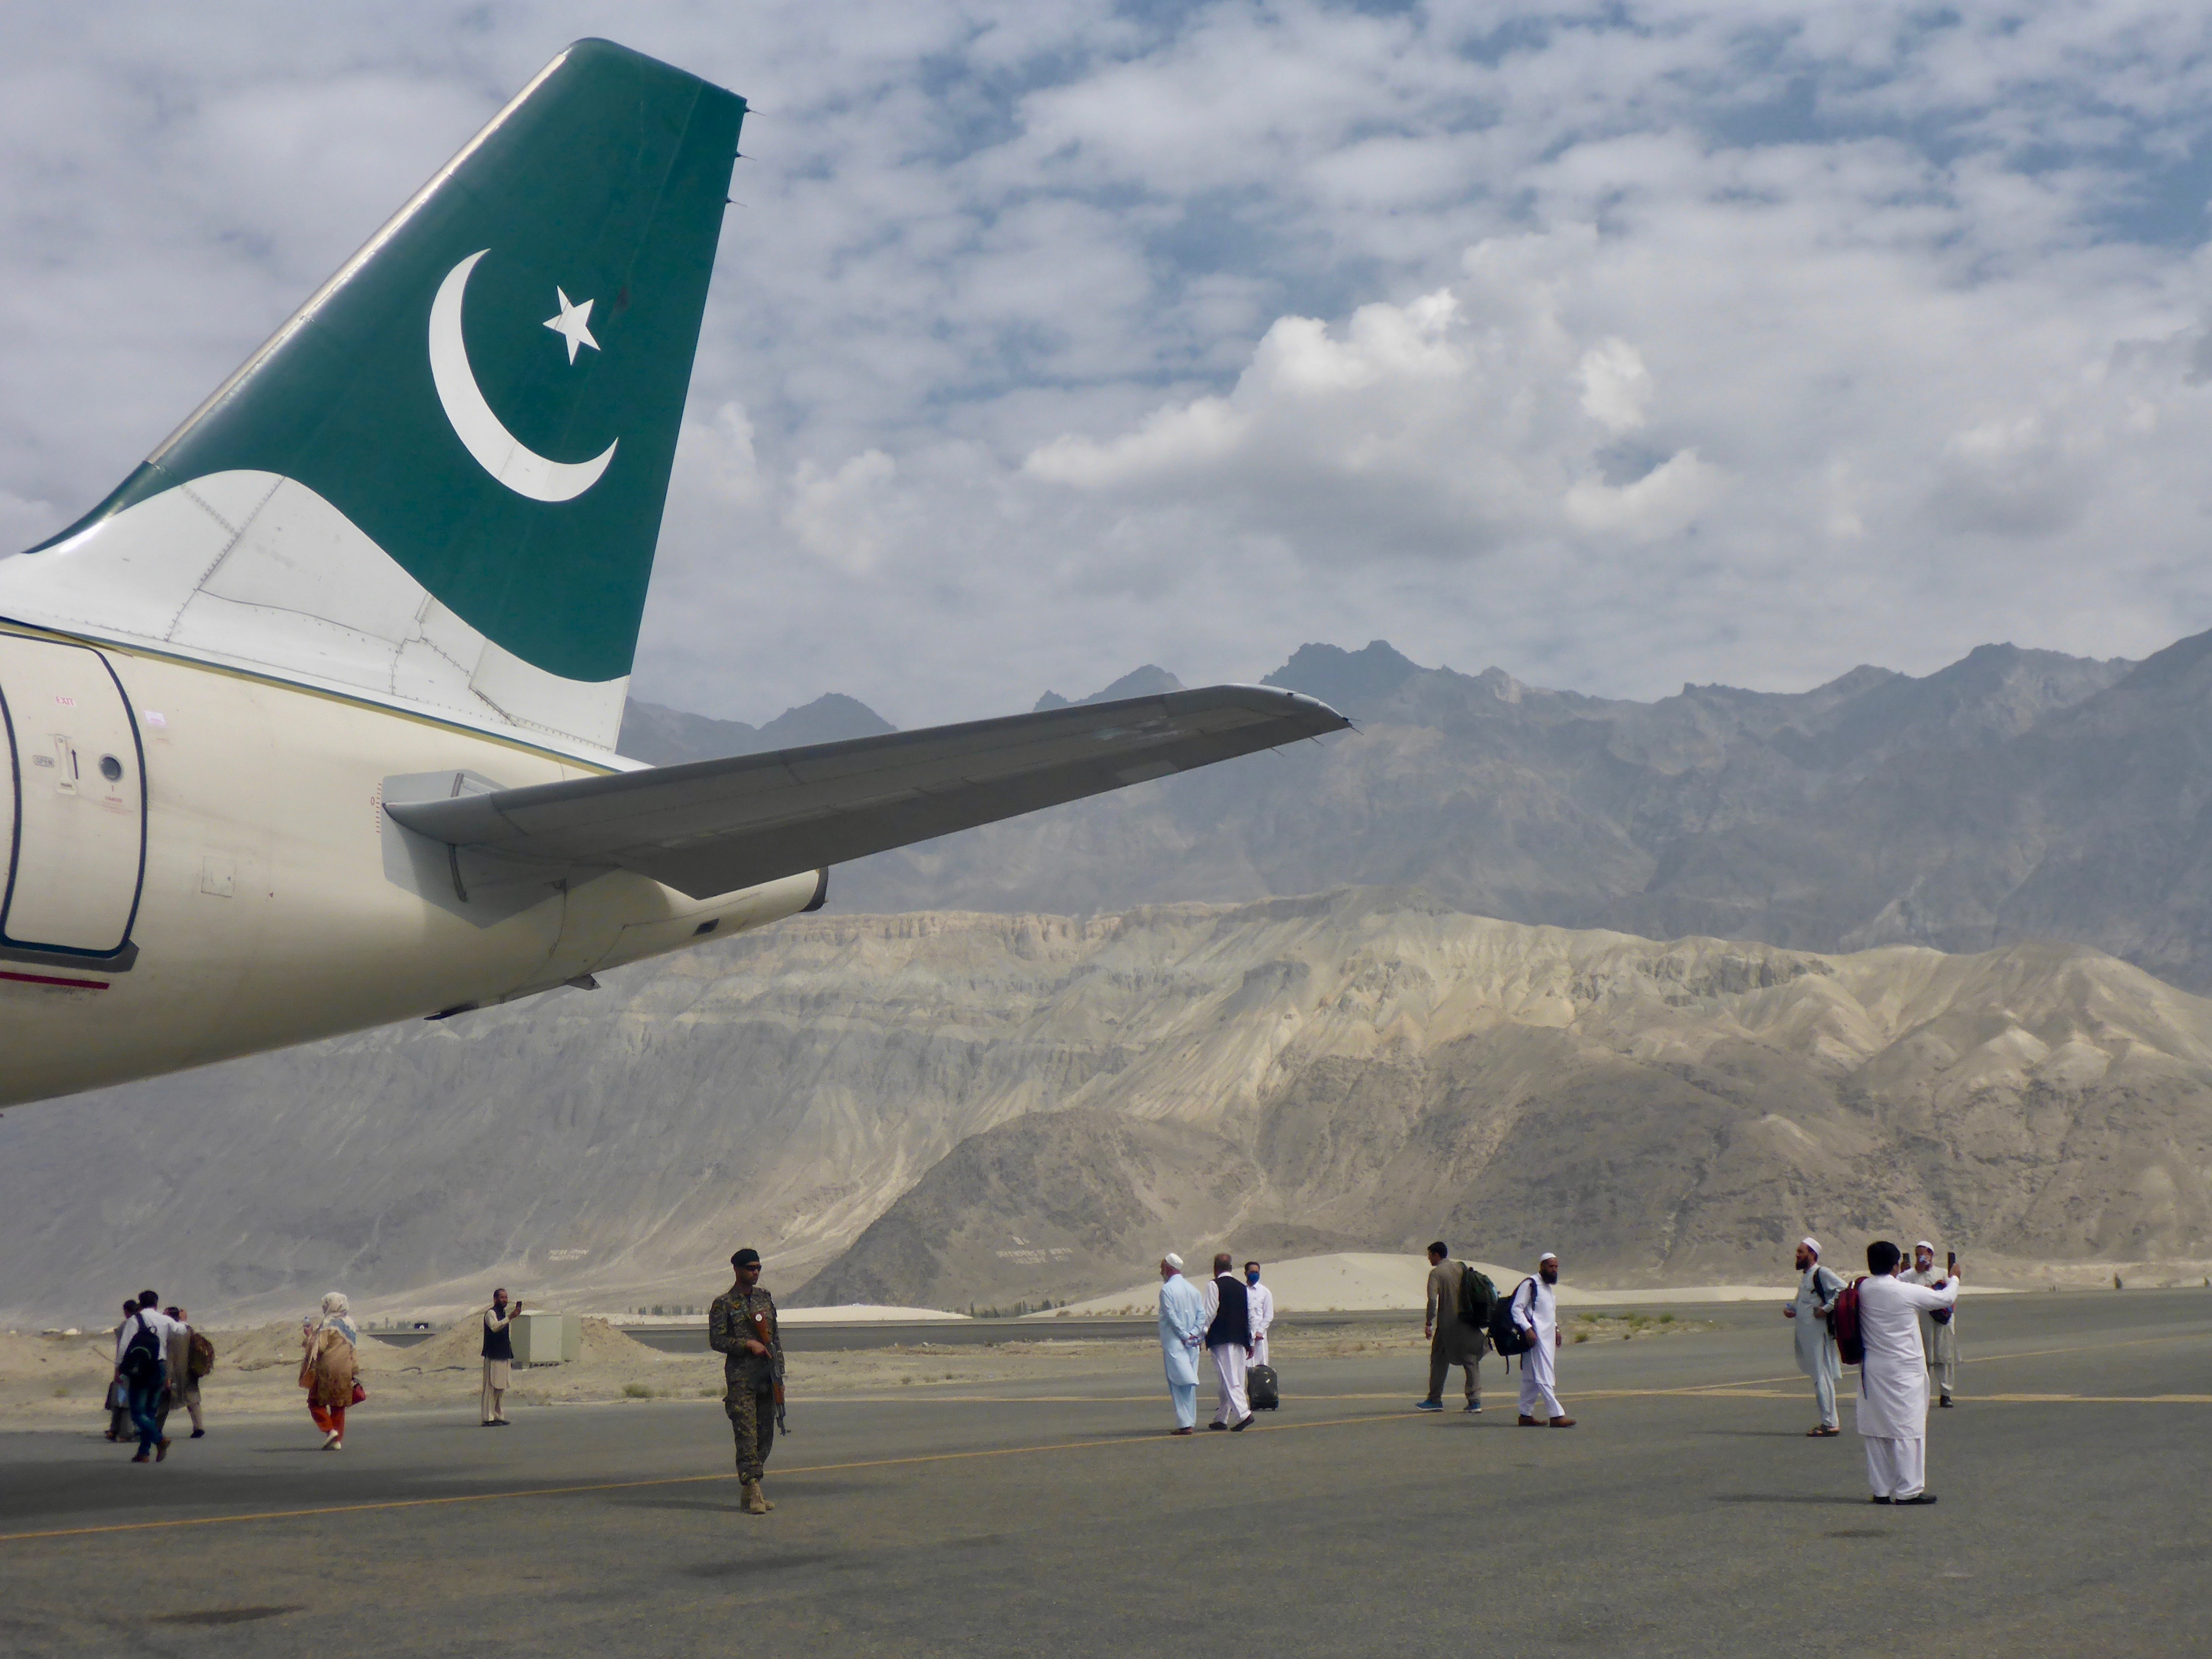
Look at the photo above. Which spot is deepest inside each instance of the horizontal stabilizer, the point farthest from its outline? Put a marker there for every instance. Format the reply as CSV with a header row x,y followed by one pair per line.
x,y
714,826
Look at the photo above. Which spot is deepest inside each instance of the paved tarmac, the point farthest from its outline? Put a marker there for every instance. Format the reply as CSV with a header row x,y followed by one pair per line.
x,y
811,1338
1686,1515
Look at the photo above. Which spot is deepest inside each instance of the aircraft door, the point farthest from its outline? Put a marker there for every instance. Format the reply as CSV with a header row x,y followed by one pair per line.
x,y
78,851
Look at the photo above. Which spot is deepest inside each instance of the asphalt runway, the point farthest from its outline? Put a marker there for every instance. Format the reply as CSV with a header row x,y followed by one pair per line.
x,y
934,1334
1687,1514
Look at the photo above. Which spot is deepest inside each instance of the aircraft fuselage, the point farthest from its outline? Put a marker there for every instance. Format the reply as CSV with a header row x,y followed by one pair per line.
x,y
198,870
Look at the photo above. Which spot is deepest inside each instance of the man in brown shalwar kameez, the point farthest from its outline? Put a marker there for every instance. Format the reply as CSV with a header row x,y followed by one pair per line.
x,y
1451,1340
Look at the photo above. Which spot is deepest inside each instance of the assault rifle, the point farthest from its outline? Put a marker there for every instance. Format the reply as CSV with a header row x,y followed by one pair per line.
x,y
759,1323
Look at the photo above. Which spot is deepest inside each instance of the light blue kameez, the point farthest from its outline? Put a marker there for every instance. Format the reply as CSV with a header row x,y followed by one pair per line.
x,y
1182,1328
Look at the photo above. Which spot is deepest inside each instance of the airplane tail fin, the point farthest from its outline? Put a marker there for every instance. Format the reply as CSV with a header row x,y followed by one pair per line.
x,y
441,480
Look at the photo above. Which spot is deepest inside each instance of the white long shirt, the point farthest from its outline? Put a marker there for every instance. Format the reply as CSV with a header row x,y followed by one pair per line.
x,y
1816,1348
1259,1302
157,1321
1893,1377
1537,1311
1182,1328
1936,1341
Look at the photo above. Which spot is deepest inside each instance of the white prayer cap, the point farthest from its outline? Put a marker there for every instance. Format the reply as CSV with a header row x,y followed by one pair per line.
x,y
1924,1245
1172,1260
1812,1244
1548,1255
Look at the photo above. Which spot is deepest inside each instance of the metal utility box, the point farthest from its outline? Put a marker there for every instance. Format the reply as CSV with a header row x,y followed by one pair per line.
x,y
547,1339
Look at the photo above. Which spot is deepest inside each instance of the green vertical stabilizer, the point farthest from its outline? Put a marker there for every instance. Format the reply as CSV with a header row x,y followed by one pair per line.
x,y
491,389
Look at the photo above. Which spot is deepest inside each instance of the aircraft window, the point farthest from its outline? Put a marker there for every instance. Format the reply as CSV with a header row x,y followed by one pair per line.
x,y
111,769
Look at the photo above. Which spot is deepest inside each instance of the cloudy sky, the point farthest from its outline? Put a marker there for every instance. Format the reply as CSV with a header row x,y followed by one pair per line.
x,y
1616,346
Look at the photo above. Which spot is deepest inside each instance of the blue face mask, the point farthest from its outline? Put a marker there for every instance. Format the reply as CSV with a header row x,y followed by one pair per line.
x,y
1252,1278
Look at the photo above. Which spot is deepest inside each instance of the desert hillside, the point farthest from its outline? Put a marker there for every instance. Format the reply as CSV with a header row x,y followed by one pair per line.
x,y
940,1109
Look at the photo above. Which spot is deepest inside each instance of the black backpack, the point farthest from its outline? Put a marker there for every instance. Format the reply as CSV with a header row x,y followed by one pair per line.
x,y
142,1355
1505,1336
1477,1297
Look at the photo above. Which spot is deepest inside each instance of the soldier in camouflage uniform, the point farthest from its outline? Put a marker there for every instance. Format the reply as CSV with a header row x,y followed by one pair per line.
x,y
751,1373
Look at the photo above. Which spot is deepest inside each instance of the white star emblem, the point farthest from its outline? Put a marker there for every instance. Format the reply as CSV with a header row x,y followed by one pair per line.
x,y
574,325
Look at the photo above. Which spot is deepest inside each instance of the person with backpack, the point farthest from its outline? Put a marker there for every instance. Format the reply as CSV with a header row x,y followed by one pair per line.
x,y
1893,1374
142,1359
1817,1288
1535,1312
1456,1336
192,1357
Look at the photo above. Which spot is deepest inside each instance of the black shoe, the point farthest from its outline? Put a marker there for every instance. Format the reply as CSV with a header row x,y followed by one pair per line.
x,y
1216,1425
1239,1428
1881,1500
1924,1498
1945,1402
199,1434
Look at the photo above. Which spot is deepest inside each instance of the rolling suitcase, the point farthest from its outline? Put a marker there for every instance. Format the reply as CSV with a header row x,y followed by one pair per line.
x,y
1260,1390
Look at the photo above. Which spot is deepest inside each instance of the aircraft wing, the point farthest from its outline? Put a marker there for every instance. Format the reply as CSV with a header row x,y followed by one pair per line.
x,y
710,827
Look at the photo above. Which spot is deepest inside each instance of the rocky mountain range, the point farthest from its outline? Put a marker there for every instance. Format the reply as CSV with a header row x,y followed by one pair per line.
x,y
2016,794
942,1110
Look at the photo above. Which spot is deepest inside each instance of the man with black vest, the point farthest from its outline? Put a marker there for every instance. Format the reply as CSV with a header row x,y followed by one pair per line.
x,y
1229,1339
498,1359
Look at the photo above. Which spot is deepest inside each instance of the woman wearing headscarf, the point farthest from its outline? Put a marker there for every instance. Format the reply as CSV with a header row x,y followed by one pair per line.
x,y
327,1368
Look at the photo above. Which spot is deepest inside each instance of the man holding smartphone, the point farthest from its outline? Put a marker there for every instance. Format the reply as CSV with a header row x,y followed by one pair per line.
x,y
1939,1329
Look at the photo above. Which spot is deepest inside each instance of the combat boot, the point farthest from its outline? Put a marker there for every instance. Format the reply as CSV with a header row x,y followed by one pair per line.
x,y
751,1500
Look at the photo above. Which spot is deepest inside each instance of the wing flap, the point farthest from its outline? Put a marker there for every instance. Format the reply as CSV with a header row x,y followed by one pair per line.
x,y
711,827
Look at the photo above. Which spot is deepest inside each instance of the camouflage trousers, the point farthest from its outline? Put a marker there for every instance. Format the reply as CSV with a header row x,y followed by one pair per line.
x,y
750,1407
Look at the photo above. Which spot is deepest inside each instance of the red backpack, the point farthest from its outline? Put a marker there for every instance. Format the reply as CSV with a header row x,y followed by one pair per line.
x,y
1844,1323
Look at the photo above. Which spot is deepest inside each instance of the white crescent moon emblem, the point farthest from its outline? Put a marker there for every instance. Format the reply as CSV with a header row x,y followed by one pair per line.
x,y
498,451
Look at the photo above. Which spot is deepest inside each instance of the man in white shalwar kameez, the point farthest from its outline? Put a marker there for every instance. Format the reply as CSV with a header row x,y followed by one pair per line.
x,y
1939,1339
1182,1328
1535,1310
1892,1410
1816,1344
1262,1311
